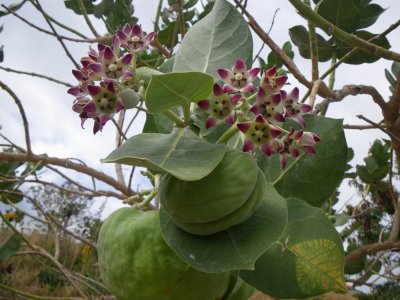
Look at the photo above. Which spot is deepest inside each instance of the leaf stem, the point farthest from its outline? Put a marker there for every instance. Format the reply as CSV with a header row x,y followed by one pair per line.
x,y
331,81
157,18
186,113
228,134
85,15
175,118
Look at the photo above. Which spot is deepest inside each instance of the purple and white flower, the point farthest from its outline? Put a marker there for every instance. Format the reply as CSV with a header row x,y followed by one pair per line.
x,y
239,78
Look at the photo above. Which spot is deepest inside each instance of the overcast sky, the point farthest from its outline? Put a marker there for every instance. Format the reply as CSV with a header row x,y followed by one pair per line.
x,y
55,128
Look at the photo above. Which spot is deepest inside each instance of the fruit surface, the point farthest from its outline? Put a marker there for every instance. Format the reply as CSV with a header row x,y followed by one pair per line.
x,y
238,216
220,193
136,264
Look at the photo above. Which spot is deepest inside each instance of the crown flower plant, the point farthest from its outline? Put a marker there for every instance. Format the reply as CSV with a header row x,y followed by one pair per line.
x,y
228,150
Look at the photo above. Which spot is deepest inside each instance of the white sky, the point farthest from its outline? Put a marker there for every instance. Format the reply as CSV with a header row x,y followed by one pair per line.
x,y
55,128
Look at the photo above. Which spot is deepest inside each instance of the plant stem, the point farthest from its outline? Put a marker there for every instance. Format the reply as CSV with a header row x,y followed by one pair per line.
x,y
157,18
181,19
313,46
228,134
286,170
85,15
331,81
175,118
186,113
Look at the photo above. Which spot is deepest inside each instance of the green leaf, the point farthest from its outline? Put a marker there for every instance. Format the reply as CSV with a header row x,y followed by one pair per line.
x,y
369,13
167,66
169,35
235,248
361,56
216,41
341,219
341,13
273,60
181,153
10,247
13,7
157,123
396,68
74,5
166,91
13,196
190,3
300,37
313,178
308,261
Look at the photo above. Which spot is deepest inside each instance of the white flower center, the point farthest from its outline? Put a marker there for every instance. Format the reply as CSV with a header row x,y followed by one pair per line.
x,y
112,67
136,39
103,102
238,76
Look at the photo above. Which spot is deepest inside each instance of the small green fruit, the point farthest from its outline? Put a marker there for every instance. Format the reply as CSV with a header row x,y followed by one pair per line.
x,y
136,264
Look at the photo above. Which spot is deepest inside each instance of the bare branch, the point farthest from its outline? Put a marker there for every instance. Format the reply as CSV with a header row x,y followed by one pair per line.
x,y
371,249
36,75
23,115
65,163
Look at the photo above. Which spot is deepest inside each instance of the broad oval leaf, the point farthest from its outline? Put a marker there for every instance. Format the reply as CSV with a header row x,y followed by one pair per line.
x,y
216,41
361,56
181,153
10,247
300,37
166,91
235,248
145,73
341,13
308,260
312,178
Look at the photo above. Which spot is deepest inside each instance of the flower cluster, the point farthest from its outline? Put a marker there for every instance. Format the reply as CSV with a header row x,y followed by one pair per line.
x,y
261,121
105,73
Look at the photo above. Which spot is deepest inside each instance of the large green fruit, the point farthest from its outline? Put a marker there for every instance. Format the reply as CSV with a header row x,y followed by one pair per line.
x,y
136,264
236,217
213,197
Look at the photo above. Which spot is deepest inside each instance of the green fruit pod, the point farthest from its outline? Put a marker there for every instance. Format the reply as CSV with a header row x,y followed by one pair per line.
x,y
136,264
238,216
213,197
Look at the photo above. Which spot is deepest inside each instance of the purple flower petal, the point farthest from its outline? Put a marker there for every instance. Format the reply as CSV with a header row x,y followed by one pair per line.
x,y
217,90
279,117
230,119
283,160
243,126
120,106
260,119
228,89
267,149
305,108
280,80
136,30
247,146
94,90
253,73
254,109
223,73
109,54
90,108
211,122
276,99
295,153
149,37
126,59
275,132
248,88
239,66
97,127
104,119
310,150
75,91
270,72
294,94
95,68
204,104
235,98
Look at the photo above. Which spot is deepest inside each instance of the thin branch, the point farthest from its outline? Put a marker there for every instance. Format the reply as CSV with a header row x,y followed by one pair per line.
x,y
23,115
353,90
349,39
359,127
65,163
324,91
11,143
370,249
34,297
99,39
81,186
181,19
379,127
57,36
157,18
36,75
269,31
118,140
313,46
59,23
